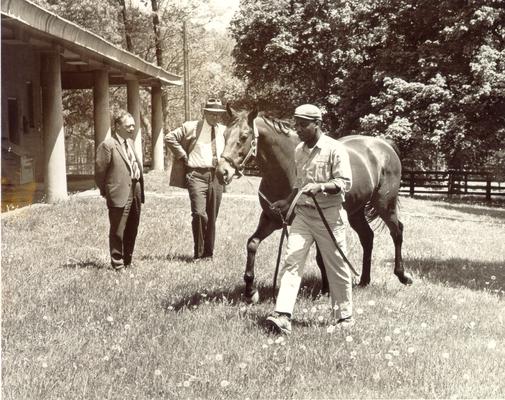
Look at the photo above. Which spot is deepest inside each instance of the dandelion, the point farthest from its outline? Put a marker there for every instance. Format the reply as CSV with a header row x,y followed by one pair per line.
x,y
279,340
487,282
491,345
110,319
387,338
44,365
132,276
287,369
359,311
265,346
424,325
186,383
330,329
493,278
390,363
225,383
320,318
157,372
243,309
219,357
371,303
376,376
204,295
454,317
303,347
353,354
472,324
127,327
270,342
349,339
397,331
445,355
388,356
242,365
45,318
305,311
313,310
411,350
170,308
396,353
106,358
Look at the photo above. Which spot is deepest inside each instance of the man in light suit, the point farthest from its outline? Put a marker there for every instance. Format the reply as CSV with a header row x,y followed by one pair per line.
x,y
119,176
197,146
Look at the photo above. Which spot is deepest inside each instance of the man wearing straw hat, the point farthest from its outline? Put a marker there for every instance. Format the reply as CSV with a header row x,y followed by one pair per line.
x,y
323,171
197,147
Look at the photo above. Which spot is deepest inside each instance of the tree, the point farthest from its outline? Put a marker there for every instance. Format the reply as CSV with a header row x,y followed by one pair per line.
x,y
430,77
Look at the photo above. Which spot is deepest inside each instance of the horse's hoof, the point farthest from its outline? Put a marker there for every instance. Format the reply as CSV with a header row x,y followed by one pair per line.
x,y
364,283
254,299
406,279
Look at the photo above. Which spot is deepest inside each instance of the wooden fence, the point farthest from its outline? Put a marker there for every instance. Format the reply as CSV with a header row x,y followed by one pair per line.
x,y
478,183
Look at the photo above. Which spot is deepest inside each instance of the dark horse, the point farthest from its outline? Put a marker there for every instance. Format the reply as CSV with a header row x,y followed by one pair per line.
x,y
376,172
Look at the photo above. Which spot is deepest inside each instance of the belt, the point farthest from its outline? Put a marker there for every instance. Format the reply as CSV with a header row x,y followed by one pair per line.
x,y
202,169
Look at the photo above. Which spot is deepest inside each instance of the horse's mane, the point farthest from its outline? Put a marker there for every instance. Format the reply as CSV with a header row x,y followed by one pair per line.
x,y
280,126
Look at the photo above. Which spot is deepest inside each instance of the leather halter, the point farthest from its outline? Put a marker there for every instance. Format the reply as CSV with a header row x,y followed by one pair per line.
x,y
253,151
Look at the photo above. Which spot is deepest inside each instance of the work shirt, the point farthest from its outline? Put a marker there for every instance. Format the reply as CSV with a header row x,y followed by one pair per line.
x,y
201,155
326,163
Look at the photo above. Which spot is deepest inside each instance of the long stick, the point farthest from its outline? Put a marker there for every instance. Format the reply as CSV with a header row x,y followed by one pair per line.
x,y
283,234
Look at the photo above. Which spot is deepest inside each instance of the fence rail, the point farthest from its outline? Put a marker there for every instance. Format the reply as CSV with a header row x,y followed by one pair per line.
x,y
478,183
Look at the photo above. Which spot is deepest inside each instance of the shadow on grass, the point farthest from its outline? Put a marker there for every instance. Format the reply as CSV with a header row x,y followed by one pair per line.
x,y
92,264
458,272
487,212
168,257
310,288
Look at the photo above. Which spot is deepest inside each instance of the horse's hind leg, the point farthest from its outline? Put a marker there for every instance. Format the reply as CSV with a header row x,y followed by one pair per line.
x,y
359,223
265,227
390,218
325,289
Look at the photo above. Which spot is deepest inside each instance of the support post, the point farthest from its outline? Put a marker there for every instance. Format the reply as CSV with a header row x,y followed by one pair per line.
x,y
101,109
55,172
158,155
133,95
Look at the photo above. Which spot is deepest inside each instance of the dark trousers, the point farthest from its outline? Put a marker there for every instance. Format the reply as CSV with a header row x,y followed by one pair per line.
x,y
205,194
124,222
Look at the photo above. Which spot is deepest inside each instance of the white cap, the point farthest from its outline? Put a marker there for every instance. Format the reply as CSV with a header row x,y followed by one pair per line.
x,y
308,111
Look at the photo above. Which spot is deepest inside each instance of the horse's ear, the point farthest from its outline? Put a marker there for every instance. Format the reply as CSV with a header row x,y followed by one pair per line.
x,y
231,112
252,115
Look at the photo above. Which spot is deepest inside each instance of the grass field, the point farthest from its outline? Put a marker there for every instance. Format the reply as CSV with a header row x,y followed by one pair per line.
x,y
74,329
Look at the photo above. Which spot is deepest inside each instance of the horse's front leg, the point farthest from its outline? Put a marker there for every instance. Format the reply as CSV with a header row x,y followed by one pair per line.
x,y
265,227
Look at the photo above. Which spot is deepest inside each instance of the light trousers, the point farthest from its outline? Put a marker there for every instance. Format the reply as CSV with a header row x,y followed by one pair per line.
x,y
307,228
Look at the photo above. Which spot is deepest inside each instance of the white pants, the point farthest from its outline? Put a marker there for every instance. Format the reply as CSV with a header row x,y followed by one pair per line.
x,y
306,229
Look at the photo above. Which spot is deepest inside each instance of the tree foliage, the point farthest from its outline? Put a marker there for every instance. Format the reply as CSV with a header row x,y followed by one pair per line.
x,y
430,76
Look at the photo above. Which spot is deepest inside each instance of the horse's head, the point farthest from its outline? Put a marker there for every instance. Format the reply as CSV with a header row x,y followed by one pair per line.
x,y
240,144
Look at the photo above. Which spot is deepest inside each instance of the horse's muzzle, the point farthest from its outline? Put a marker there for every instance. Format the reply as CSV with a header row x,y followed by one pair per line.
x,y
225,172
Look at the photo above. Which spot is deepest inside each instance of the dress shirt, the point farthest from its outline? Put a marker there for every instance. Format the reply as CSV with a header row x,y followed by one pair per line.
x,y
201,156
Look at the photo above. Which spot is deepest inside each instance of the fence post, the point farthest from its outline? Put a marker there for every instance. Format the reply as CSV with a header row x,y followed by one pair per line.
x,y
412,185
450,185
488,188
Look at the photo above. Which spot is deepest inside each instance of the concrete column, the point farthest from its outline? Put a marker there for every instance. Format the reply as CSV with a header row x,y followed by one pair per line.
x,y
55,172
101,109
157,128
133,94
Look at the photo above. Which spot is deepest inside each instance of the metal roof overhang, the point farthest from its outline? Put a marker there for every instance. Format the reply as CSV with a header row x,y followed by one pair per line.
x,y
82,52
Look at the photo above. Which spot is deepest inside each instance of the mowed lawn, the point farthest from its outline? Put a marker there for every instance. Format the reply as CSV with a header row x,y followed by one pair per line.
x,y
74,329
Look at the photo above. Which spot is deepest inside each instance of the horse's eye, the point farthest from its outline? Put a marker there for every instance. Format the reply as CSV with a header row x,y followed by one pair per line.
x,y
243,137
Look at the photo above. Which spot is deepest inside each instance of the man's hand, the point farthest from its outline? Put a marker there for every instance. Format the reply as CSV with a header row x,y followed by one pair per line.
x,y
311,188
184,159
280,205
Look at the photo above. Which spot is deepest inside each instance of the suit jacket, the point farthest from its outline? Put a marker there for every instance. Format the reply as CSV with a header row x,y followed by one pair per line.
x,y
112,172
181,142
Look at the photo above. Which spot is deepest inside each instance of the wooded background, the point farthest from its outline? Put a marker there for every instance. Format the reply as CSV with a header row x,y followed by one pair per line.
x,y
428,74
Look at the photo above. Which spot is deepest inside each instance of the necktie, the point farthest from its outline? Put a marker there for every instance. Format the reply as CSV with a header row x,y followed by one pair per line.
x,y
134,168
214,151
